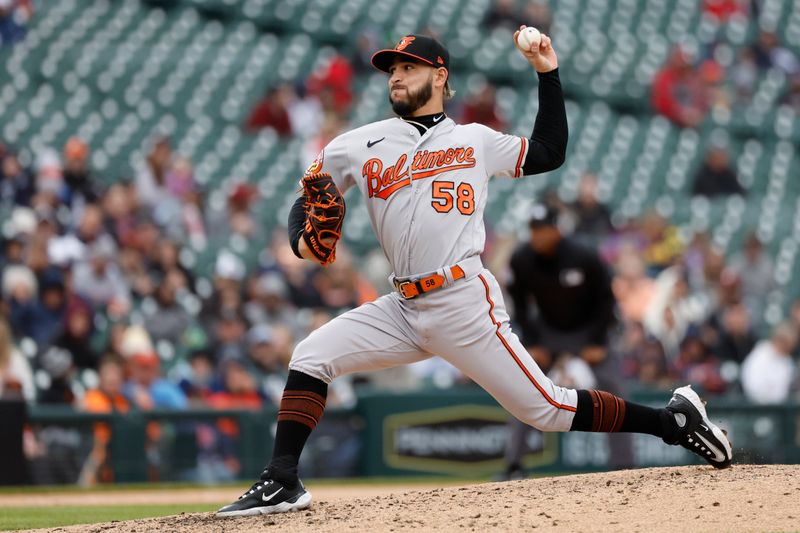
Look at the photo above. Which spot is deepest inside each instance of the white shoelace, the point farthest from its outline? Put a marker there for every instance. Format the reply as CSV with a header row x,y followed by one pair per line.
x,y
255,487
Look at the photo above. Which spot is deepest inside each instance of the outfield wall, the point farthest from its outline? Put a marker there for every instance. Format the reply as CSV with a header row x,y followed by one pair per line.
x,y
459,432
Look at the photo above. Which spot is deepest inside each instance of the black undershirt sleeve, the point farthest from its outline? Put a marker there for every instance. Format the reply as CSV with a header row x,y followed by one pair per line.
x,y
548,143
297,218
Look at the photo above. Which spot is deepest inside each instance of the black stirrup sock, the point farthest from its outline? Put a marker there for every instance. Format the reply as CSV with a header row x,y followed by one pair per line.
x,y
600,411
301,408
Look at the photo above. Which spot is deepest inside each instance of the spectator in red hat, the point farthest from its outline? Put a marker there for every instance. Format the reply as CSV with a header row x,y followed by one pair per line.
x,y
722,10
336,77
272,111
678,91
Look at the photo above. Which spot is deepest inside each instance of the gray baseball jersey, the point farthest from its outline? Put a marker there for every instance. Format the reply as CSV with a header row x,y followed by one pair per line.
x,y
425,195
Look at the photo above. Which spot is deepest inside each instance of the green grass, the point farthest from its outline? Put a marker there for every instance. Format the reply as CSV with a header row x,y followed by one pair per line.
x,y
35,517
64,515
118,487
182,485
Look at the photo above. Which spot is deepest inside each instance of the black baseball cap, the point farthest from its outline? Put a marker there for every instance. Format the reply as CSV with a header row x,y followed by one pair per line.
x,y
543,215
419,47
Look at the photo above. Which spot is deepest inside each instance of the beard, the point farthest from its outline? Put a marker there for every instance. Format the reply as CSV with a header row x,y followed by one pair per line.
x,y
414,101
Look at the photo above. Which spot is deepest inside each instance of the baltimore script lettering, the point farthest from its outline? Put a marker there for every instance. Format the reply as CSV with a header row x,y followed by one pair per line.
x,y
384,182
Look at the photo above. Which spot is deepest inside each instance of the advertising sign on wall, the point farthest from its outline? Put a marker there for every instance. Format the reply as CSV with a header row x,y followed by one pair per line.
x,y
455,440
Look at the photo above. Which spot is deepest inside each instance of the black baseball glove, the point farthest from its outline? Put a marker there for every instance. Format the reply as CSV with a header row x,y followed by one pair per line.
x,y
324,216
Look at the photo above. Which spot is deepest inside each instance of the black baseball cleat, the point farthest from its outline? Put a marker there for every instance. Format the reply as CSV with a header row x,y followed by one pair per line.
x,y
268,497
698,433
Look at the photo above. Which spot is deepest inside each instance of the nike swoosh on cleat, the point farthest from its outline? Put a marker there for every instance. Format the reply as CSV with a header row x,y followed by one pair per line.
x,y
370,144
718,455
266,498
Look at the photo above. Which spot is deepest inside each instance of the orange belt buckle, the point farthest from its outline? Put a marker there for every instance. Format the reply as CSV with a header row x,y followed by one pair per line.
x,y
408,290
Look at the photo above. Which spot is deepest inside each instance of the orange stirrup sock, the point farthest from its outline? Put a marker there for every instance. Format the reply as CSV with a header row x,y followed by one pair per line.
x,y
301,406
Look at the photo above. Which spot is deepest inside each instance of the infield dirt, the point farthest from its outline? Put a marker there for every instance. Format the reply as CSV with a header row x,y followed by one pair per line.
x,y
693,498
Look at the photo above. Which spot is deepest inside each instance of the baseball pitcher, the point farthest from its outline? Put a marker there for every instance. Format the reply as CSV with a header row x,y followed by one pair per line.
x,y
424,180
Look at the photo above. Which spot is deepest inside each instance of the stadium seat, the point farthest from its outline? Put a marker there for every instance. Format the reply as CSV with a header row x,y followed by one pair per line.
x,y
117,73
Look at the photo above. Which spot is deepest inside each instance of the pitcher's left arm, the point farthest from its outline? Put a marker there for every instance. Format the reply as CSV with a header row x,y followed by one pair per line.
x,y
548,142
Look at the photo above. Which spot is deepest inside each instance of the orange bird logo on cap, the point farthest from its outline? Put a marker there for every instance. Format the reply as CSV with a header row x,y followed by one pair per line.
x,y
404,42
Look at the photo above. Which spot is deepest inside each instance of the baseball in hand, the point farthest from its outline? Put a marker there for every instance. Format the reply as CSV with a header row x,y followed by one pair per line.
x,y
527,37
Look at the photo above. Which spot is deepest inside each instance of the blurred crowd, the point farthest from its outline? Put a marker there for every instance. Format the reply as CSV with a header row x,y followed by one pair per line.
x,y
686,313
718,79
97,275
103,307
102,311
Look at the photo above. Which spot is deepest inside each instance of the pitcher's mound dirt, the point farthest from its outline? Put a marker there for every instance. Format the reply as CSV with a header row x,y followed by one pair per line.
x,y
743,498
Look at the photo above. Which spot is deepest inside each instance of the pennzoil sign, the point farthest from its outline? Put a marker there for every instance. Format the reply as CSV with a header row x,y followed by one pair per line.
x,y
463,439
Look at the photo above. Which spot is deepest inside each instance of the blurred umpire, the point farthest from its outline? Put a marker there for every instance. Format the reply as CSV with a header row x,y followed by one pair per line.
x,y
564,309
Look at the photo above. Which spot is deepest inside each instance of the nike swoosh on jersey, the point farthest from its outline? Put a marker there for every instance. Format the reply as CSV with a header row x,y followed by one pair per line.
x,y
437,119
370,144
266,498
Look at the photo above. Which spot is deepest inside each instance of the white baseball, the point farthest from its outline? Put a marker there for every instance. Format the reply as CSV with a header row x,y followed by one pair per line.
x,y
527,37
